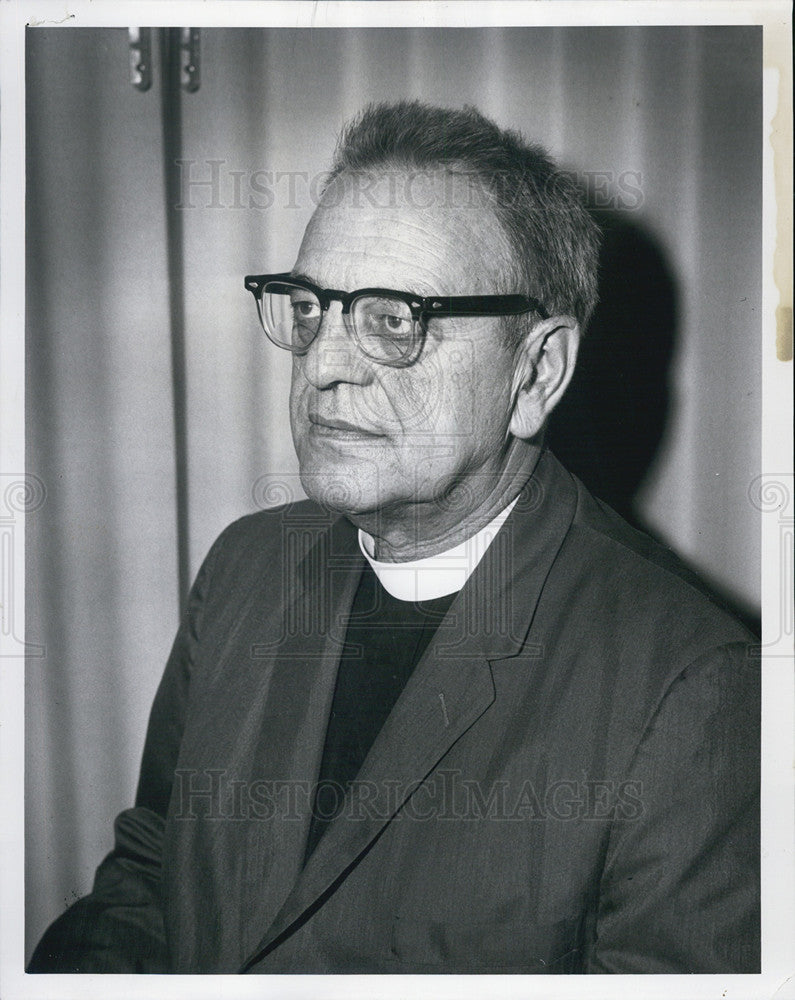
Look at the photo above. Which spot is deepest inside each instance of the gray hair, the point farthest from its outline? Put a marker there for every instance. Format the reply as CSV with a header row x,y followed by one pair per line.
x,y
554,241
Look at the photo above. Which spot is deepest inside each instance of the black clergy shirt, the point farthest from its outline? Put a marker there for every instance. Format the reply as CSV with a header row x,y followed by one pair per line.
x,y
384,641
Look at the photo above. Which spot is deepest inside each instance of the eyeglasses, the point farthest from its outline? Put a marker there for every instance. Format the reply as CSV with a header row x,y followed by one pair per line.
x,y
388,326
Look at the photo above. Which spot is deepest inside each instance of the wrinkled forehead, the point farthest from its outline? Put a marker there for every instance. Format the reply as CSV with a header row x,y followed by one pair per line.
x,y
426,228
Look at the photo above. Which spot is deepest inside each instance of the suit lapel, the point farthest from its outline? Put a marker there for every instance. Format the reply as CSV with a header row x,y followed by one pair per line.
x,y
431,714
299,654
492,615
449,690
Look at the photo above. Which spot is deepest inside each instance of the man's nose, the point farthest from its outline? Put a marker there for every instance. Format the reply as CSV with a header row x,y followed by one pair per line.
x,y
333,355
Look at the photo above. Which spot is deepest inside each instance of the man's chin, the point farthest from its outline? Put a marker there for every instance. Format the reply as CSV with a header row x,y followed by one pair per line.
x,y
348,490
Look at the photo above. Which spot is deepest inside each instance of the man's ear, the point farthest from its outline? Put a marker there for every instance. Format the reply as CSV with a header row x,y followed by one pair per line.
x,y
542,371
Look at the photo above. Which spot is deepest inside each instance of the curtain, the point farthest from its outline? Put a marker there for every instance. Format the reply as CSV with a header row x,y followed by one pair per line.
x,y
140,462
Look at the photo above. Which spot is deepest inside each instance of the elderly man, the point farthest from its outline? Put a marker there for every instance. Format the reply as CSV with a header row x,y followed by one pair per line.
x,y
451,714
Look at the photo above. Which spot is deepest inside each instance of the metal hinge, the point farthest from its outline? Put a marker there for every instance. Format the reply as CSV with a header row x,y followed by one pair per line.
x,y
189,57
141,58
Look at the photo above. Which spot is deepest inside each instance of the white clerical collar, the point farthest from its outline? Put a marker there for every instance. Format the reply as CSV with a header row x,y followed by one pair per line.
x,y
435,576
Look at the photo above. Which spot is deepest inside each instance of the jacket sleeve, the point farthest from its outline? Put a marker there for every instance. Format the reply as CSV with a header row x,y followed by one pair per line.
x,y
680,886
119,926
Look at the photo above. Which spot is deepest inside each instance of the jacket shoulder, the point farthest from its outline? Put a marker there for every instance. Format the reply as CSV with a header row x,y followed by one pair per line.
x,y
254,544
642,584
262,524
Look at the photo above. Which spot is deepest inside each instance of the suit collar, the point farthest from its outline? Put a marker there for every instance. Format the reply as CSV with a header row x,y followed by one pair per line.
x,y
500,597
492,615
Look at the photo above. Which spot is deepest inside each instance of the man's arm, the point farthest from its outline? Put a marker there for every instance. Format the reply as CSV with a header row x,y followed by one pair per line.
x,y
119,927
680,889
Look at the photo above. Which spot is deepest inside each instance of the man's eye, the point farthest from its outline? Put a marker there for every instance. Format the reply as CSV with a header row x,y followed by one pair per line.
x,y
395,324
305,309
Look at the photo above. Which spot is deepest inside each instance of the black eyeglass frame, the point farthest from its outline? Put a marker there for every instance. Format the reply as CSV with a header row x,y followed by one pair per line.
x,y
422,307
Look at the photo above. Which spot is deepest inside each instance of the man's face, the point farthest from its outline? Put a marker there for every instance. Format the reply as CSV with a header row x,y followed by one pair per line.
x,y
371,437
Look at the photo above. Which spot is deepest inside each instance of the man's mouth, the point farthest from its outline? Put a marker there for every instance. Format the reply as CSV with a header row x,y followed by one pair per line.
x,y
335,427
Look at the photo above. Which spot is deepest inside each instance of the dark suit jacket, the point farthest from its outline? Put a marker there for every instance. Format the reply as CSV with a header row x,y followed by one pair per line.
x,y
568,782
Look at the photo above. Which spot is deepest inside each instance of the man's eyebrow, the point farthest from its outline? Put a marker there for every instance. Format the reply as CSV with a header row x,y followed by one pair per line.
x,y
302,277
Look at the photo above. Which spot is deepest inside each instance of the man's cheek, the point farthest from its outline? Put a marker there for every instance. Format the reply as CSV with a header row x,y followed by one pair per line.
x,y
417,403
299,421
439,398
463,390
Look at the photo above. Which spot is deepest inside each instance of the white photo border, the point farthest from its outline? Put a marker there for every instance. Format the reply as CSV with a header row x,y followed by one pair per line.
x,y
778,855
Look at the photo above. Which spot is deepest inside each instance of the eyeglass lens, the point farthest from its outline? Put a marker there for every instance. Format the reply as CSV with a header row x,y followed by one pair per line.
x,y
383,326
